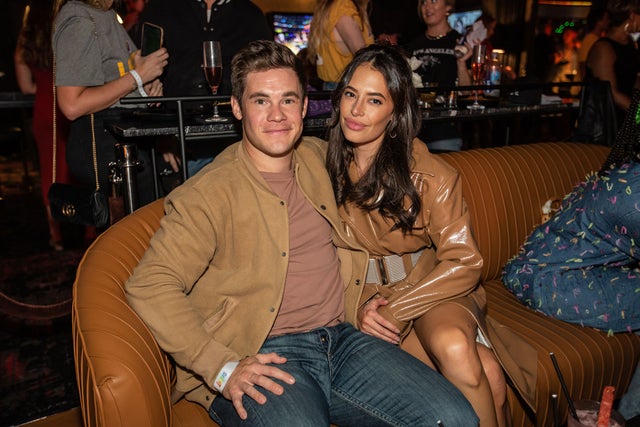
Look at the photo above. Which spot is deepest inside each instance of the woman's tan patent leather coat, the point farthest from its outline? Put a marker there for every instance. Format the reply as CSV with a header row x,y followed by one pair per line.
x,y
448,269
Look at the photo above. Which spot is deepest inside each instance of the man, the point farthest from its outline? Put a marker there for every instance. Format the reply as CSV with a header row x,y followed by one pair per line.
x,y
188,23
251,284
233,23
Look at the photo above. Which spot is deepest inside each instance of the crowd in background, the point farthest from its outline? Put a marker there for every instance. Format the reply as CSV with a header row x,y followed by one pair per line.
x,y
341,27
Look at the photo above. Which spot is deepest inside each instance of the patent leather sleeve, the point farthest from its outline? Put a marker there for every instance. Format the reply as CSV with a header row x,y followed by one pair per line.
x,y
451,268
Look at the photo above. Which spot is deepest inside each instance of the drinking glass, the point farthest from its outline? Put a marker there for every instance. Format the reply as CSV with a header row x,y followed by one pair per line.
x,y
588,412
212,65
478,61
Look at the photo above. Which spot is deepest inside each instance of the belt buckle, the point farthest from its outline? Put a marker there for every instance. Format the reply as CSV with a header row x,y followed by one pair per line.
x,y
382,270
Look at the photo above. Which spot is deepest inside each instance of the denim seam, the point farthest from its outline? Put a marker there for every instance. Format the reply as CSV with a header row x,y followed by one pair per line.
x,y
367,408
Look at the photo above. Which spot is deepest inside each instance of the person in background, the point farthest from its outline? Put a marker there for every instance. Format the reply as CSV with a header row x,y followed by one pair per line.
x,y
234,23
542,58
490,24
133,9
34,74
405,206
597,25
338,29
394,21
97,63
615,57
582,265
251,284
315,107
566,68
440,65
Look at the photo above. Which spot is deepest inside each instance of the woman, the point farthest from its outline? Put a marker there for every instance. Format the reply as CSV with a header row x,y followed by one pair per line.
x,y
615,58
405,206
338,29
442,56
581,266
96,65
33,64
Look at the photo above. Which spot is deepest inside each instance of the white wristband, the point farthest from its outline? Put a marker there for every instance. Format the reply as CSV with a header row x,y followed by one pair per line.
x,y
138,80
223,375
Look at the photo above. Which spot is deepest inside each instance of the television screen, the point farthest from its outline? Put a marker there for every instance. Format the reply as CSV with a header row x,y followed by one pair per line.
x,y
461,21
291,29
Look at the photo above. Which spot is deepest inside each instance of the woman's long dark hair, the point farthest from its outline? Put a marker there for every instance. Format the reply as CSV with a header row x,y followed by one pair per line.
x,y
387,184
627,146
35,37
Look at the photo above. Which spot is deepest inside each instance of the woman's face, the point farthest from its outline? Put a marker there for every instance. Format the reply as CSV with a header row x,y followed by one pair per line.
x,y
434,12
366,108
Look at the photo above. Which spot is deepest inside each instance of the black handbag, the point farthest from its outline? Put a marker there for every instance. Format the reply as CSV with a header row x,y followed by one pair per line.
x,y
71,203
77,205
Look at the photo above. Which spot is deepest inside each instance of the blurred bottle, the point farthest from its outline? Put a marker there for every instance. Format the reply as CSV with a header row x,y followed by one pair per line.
x,y
494,72
452,99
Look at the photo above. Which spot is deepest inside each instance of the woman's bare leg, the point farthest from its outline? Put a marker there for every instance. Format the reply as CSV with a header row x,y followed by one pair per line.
x,y
448,334
497,382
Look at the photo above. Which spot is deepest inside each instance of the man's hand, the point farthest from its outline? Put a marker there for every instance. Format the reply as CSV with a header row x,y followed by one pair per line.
x,y
252,371
372,323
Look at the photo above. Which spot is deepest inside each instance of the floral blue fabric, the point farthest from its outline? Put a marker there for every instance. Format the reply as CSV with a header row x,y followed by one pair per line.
x,y
581,266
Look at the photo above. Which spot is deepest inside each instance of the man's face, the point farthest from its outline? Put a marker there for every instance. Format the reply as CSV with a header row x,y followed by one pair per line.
x,y
434,12
272,113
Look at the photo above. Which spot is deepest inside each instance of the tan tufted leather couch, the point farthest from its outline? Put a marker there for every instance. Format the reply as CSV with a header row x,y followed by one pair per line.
x,y
124,379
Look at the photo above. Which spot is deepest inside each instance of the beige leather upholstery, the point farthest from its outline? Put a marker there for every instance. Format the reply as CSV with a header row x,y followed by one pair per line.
x,y
124,379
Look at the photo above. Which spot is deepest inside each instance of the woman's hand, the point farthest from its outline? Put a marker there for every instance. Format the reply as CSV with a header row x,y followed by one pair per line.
x,y
372,323
154,88
150,67
464,77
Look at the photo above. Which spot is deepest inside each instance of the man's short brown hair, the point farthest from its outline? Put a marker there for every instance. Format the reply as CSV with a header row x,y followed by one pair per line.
x,y
263,55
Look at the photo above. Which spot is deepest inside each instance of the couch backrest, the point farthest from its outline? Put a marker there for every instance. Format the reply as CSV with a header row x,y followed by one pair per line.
x,y
506,187
123,377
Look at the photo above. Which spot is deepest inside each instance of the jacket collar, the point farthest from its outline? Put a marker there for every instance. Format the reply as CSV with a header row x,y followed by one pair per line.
x,y
254,173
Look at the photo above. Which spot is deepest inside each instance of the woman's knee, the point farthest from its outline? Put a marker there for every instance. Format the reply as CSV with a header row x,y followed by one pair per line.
x,y
454,353
452,344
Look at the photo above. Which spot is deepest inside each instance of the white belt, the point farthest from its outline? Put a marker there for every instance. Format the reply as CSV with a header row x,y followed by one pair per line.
x,y
389,269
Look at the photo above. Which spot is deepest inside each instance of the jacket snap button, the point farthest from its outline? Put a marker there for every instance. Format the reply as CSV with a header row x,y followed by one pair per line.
x,y
357,282
272,309
207,398
281,203
284,254
323,207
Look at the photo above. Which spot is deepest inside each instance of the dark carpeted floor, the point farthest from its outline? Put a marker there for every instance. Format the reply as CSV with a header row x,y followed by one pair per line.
x,y
36,354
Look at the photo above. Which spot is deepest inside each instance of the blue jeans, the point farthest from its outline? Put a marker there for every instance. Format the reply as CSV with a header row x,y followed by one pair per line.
x,y
194,166
348,378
